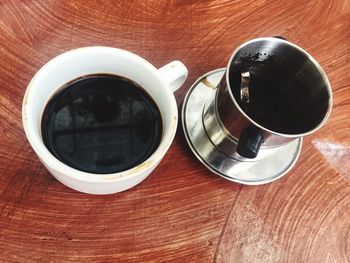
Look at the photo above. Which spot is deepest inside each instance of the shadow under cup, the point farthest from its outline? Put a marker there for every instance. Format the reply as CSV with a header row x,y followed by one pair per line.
x,y
288,91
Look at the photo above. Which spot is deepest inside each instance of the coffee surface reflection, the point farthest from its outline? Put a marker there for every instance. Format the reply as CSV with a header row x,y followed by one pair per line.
x,y
101,124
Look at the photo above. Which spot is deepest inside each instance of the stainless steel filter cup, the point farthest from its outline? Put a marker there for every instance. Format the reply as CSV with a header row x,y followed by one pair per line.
x,y
272,92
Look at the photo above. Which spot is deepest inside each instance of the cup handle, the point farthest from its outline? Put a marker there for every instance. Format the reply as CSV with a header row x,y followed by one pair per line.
x,y
249,142
174,74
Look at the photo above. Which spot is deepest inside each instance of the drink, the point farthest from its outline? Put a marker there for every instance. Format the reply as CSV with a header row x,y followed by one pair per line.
x,y
101,124
279,96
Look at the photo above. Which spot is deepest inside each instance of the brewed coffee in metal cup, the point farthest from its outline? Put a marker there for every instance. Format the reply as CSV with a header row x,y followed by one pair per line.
x,y
272,93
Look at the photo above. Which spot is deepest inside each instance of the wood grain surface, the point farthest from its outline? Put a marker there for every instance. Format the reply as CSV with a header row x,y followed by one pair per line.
x,y
182,212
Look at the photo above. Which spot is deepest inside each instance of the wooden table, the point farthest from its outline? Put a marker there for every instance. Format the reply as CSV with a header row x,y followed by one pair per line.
x,y
182,212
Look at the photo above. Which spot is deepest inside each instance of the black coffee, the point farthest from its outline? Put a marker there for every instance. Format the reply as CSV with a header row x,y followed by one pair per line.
x,y
101,124
282,99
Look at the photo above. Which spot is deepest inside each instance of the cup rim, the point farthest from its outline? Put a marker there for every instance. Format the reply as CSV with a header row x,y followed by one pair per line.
x,y
54,164
317,65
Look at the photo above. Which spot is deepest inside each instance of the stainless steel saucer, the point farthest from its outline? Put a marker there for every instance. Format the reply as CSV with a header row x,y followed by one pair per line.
x,y
250,173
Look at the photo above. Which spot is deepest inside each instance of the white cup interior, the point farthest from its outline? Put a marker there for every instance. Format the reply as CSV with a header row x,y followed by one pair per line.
x,y
87,61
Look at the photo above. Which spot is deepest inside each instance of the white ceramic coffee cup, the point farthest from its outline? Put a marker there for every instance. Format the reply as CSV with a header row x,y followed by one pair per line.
x,y
159,84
